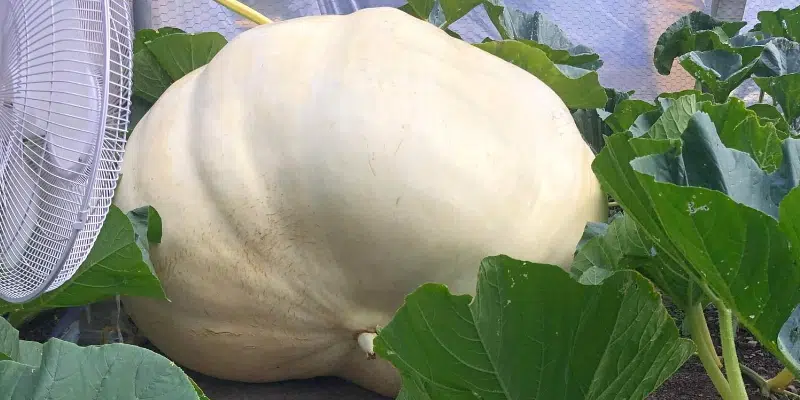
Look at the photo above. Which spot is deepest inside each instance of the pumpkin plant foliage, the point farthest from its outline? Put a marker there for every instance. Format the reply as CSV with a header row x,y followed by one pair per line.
x,y
708,185
161,57
533,332
32,370
118,264
531,42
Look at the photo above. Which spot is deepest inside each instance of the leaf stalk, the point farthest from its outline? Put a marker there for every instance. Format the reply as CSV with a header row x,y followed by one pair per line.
x,y
732,369
706,352
245,11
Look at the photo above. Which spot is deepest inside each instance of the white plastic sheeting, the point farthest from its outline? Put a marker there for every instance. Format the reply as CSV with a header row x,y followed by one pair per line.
x,y
623,32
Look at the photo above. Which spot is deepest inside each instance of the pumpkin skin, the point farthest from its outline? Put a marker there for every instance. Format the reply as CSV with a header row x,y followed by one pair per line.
x,y
320,169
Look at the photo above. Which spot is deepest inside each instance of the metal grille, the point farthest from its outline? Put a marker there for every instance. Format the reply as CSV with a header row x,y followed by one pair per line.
x,y
65,79
623,32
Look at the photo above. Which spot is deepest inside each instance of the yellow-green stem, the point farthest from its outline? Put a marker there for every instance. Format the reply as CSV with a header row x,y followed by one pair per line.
x,y
780,381
732,370
708,356
707,335
245,11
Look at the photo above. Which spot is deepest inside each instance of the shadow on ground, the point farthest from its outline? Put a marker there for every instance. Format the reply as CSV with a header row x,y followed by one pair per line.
x,y
309,389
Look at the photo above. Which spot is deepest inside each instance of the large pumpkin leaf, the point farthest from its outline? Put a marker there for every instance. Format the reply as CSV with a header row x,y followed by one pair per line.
x,y
674,118
778,74
146,35
623,246
695,31
441,13
32,371
785,89
738,126
150,81
641,117
770,113
577,87
591,123
118,264
533,332
162,57
782,22
626,112
780,56
743,129
529,41
721,71
714,212
180,54
538,31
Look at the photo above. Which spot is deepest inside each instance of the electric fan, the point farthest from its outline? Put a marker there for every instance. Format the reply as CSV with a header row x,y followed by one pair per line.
x,y
65,87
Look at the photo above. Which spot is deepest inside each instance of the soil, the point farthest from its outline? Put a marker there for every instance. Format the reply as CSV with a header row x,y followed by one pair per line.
x,y
689,382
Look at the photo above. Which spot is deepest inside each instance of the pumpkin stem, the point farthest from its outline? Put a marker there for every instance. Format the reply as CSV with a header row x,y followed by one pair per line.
x,y
245,11
365,342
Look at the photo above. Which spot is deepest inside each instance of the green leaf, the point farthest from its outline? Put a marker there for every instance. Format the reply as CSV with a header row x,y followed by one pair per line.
x,y
714,212
675,117
742,129
114,371
769,113
441,13
165,59
538,31
118,264
181,54
150,80
591,231
749,39
198,390
139,108
665,99
785,89
738,127
578,88
20,351
789,336
626,113
704,161
145,35
643,123
533,332
623,245
721,71
779,57
147,223
695,31
590,120
782,22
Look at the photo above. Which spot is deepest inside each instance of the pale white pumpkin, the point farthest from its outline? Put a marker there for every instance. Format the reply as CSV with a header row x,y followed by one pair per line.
x,y
320,169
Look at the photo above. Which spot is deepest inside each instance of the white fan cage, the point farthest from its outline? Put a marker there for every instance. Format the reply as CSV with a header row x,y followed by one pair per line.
x,y
622,32
65,81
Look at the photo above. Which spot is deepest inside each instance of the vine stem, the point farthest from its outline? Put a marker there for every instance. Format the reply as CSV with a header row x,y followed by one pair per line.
x,y
732,369
781,381
245,11
705,350
707,334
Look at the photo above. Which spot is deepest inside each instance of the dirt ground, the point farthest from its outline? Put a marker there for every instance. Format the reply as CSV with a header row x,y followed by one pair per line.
x,y
692,382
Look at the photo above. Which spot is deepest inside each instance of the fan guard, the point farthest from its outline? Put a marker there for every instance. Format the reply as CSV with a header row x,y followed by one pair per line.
x,y
65,82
